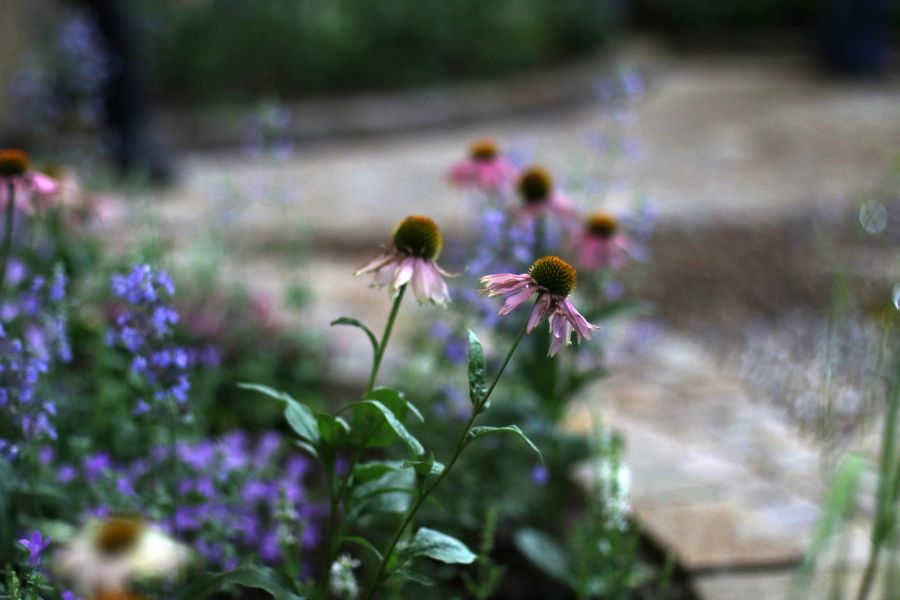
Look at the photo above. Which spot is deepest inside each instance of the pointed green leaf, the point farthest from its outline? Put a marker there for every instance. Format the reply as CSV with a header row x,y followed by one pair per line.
x,y
368,411
249,576
333,430
545,553
297,414
426,467
412,408
357,323
309,448
438,546
477,386
477,432
414,577
373,470
388,493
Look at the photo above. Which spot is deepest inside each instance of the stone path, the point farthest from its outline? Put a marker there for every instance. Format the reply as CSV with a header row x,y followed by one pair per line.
x,y
720,479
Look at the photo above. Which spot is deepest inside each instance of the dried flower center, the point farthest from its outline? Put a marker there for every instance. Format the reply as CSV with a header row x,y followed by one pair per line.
x,y
418,236
117,534
117,595
535,185
484,150
555,275
602,225
13,163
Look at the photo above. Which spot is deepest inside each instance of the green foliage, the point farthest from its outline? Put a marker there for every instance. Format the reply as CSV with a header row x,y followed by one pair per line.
x,y
477,383
477,432
438,546
232,49
250,576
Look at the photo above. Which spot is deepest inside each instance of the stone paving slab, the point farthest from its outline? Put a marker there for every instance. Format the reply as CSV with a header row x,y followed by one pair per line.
x,y
718,479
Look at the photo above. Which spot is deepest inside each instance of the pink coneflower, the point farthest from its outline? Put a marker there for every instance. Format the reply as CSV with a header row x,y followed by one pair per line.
x,y
485,169
15,170
552,279
417,244
600,244
538,196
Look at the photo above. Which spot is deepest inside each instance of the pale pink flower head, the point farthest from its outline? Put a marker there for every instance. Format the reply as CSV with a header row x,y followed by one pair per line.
x,y
485,169
601,243
417,242
15,170
552,279
539,197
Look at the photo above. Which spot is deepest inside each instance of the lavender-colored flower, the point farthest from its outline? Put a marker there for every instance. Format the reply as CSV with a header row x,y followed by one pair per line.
x,y
540,475
144,328
35,544
32,338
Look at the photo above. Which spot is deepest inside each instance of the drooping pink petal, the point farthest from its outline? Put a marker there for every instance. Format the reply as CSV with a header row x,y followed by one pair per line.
x,y
403,273
513,302
505,283
42,184
420,281
541,310
577,320
376,263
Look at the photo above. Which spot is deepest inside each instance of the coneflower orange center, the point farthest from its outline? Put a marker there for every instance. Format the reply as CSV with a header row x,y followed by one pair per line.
x,y
555,275
483,150
117,534
117,595
535,185
602,225
13,163
419,236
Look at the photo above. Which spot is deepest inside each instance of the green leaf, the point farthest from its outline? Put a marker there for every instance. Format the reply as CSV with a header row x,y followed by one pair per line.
x,y
370,410
477,432
373,470
838,503
477,386
357,323
333,430
544,553
426,467
412,408
309,448
414,577
369,427
249,576
438,546
361,541
297,414
389,493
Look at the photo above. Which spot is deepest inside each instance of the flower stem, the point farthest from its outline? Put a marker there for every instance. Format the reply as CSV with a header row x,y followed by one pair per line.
x,y
385,337
8,233
173,465
426,492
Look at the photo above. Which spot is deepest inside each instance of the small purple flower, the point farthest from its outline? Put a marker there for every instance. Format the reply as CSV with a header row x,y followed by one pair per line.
x,y
540,476
35,544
